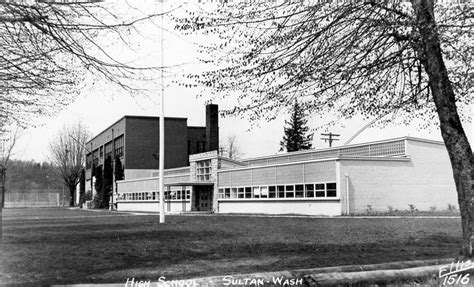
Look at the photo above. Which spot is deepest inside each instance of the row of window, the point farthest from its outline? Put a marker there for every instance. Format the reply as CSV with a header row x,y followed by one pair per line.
x,y
99,153
154,195
311,190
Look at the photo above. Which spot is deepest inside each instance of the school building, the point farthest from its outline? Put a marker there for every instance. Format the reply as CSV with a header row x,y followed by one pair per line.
x,y
344,180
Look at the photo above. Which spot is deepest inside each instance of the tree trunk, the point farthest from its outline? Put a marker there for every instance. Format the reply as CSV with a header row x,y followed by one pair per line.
x,y
455,139
72,193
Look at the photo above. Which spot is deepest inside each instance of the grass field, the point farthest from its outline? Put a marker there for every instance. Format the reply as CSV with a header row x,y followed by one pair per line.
x,y
52,246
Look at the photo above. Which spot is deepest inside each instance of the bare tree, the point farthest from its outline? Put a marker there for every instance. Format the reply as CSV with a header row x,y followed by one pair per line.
x,y
412,59
67,153
8,140
231,148
49,49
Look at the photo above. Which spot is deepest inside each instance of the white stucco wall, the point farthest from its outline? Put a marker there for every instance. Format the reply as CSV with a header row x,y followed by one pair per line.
x,y
424,180
294,206
153,206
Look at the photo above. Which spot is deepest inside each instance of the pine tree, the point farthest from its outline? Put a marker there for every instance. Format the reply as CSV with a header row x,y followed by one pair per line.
x,y
296,135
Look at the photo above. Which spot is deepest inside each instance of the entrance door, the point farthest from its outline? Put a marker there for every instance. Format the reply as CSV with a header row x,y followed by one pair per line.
x,y
203,198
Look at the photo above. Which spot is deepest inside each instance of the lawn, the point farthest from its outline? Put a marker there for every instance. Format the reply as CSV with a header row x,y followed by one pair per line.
x,y
53,246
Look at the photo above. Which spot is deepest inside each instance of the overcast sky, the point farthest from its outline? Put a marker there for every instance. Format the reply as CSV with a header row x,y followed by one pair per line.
x,y
99,106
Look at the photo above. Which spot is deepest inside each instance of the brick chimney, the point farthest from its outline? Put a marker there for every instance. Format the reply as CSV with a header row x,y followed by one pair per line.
x,y
212,127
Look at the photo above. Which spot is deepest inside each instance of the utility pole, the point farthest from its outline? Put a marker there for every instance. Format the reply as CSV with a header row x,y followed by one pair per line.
x,y
330,137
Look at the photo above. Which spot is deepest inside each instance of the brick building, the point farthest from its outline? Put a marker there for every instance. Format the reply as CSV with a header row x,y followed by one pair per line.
x,y
135,141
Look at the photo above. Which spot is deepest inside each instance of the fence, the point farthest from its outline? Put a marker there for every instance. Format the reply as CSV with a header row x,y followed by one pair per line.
x,y
15,200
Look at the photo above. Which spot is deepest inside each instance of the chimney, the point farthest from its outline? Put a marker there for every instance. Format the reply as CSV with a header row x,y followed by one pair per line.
x,y
212,127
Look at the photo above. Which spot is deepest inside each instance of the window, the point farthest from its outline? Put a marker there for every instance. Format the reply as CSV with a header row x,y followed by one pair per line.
x,y
203,170
95,158
281,191
256,192
299,191
290,191
119,146
241,192
320,191
272,191
101,152
108,149
331,189
248,192
88,161
233,192
309,188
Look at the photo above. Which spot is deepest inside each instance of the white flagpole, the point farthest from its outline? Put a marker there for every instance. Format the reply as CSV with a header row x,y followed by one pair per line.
x,y
162,127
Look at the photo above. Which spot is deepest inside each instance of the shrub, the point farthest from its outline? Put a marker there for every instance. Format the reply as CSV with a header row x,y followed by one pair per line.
x,y
451,207
412,208
369,209
390,209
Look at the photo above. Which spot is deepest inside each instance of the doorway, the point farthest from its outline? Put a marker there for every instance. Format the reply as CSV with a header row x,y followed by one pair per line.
x,y
202,199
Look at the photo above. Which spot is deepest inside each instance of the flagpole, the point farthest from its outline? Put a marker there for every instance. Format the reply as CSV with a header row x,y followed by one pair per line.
x,y
162,128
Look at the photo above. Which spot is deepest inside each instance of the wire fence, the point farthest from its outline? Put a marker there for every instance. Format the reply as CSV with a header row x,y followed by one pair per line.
x,y
16,200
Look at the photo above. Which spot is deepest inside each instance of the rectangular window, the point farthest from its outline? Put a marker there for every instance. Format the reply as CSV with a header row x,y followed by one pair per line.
x,y
153,196
309,189
220,193
233,192
88,161
331,190
227,193
101,152
264,192
320,190
248,192
290,191
256,192
108,149
188,194
272,191
299,191
203,170
281,191
95,158
119,146
241,192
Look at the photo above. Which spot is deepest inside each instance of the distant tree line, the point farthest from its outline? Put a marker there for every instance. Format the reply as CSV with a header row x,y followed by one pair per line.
x,y
28,176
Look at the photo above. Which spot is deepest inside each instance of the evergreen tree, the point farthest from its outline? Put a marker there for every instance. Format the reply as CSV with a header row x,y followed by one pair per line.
x,y
296,135
98,185
119,173
108,182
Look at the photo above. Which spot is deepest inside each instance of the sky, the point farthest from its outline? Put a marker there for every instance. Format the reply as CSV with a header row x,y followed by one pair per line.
x,y
100,105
